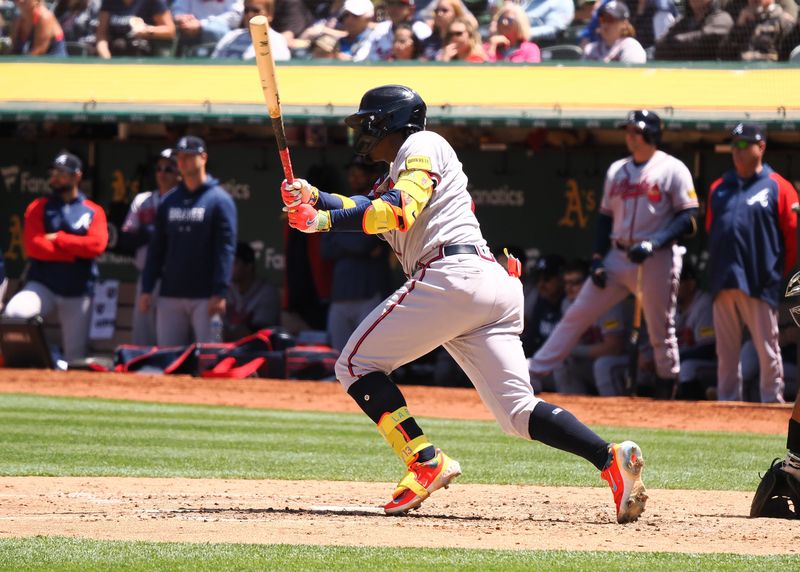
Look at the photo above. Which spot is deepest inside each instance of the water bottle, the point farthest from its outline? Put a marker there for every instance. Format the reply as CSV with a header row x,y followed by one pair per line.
x,y
215,328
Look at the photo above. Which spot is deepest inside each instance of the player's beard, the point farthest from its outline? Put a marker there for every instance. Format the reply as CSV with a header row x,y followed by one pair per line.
x,y
60,190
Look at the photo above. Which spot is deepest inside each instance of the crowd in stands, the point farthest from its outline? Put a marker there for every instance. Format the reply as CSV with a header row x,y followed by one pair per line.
x,y
410,30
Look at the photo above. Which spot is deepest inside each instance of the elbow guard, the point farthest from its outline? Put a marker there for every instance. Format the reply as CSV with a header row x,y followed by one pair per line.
x,y
380,217
416,188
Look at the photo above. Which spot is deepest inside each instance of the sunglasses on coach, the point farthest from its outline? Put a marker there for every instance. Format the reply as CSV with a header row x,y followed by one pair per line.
x,y
166,169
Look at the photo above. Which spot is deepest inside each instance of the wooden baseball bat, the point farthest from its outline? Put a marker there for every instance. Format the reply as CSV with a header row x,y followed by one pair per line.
x,y
632,377
259,34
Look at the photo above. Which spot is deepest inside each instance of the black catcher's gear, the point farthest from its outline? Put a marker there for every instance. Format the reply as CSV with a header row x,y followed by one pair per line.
x,y
648,122
778,494
384,110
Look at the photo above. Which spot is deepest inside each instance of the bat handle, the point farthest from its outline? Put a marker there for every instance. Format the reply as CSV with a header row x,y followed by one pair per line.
x,y
286,163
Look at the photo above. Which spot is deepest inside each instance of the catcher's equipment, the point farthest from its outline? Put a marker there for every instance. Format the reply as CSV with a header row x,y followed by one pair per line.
x,y
384,110
598,273
640,251
777,495
792,290
648,122
420,481
624,476
306,218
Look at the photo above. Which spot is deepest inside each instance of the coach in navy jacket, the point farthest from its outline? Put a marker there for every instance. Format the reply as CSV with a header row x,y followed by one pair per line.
x,y
191,252
752,244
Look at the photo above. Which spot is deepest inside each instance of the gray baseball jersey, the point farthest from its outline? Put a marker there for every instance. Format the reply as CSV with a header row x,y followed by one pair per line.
x,y
642,199
463,301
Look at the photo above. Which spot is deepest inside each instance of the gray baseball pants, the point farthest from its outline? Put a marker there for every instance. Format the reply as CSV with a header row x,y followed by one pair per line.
x,y
144,323
733,309
74,315
660,274
181,321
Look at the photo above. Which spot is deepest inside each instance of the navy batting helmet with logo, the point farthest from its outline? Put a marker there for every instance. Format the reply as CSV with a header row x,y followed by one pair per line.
x,y
384,110
648,122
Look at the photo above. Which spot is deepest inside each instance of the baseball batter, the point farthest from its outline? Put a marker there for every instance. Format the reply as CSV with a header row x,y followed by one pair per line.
x,y
648,203
456,296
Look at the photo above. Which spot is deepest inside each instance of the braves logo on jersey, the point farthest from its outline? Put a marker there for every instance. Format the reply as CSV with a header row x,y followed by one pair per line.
x,y
626,189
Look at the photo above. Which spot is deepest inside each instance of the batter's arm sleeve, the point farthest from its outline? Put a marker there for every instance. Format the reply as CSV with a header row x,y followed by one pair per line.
x,y
682,224
709,212
33,236
787,221
155,252
93,243
602,236
224,246
332,201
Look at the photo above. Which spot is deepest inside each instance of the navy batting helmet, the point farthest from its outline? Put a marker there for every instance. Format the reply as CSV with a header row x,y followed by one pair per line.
x,y
384,110
648,122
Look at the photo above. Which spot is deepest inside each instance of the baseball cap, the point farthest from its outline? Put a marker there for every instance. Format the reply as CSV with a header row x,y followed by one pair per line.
x,y
616,9
245,252
167,154
752,132
548,266
68,163
359,7
190,144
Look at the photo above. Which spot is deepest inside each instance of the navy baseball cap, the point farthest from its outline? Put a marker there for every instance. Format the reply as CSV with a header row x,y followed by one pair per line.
x,y
548,266
68,163
616,9
167,154
752,132
245,252
190,144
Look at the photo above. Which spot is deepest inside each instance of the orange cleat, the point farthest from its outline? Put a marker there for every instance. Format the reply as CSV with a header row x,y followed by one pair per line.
x,y
624,476
420,481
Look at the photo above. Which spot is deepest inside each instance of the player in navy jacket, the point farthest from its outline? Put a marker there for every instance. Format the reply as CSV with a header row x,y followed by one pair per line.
x,y
752,244
64,233
191,252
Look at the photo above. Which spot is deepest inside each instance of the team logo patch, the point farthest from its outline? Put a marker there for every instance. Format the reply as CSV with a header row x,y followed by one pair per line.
x,y
654,194
419,162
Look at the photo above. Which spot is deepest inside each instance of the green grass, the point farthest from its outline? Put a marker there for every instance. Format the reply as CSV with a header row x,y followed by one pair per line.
x,y
57,553
81,437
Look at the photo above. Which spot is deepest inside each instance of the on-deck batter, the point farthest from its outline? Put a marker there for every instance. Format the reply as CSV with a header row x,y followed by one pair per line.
x,y
456,296
648,203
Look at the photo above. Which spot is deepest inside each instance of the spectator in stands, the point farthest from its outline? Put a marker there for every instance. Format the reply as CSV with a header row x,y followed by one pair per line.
x,y
752,243
382,36
694,328
510,42
463,43
78,19
406,45
237,43
733,7
697,34
617,42
444,12
327,19
324,47
36,31
360,266
64,233
548,18
597,363
652,19
130,29
137,230
356,20
292,17
252,303
204,21
763,32
191,252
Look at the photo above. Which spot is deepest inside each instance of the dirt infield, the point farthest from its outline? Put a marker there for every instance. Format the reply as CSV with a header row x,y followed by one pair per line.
x,y
315,512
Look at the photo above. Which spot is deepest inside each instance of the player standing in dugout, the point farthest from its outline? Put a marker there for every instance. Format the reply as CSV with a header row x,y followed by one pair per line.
x,y
456,296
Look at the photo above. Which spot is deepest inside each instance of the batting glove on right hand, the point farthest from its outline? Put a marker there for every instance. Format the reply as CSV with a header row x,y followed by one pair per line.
x,y
298,192
306,218
598,273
